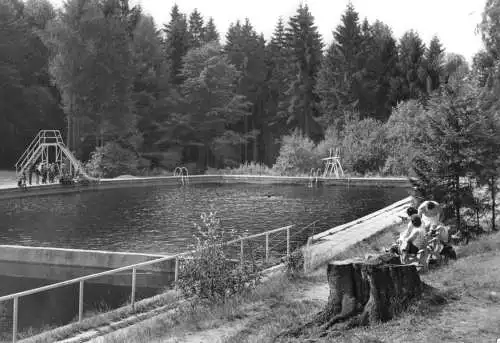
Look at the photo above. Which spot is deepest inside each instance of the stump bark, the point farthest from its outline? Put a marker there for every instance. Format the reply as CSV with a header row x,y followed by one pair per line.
x,y
363,292
369,291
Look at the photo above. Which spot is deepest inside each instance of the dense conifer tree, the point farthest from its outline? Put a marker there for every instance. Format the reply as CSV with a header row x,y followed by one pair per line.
x,y
196,30
211,33
434,59
305,44
176,43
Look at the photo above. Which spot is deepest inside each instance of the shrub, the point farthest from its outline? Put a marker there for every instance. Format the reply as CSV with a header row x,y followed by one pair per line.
x,y
250,168
297,155
209,274
112,160
295,263
401,130
363,148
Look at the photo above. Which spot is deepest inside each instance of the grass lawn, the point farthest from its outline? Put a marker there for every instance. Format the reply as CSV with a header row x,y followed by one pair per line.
x,y
465,309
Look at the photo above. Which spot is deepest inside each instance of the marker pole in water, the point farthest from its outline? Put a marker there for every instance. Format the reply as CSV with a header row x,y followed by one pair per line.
x,y
176,272
132,296
14,319
80,303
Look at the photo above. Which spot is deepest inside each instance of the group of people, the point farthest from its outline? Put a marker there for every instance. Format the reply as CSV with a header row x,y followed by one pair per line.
x,y
44,172
423,221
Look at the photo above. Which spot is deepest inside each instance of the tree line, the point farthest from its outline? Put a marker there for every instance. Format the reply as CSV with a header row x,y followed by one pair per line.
x,y
119,86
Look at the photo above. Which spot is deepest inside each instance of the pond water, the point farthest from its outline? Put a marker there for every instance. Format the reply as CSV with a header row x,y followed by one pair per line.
x,y
161,219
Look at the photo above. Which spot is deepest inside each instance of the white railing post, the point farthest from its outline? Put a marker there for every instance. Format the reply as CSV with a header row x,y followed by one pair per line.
x,y
80,303
267,247
241,253
288,241
176,272
15,312
132,296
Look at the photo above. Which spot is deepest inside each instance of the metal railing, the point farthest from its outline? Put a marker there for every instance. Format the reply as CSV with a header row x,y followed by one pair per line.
x,y
177,257
52,137
15,297
266,234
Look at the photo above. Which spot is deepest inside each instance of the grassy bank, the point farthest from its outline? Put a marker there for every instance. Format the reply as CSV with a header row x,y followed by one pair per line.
x,y
464,309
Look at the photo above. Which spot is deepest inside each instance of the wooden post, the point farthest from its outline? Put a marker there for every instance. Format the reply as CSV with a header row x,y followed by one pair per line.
x,y
132,296
15,313
176,273
80,303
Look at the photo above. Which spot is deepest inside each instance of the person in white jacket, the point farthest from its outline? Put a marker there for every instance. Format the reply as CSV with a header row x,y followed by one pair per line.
x,y
431,213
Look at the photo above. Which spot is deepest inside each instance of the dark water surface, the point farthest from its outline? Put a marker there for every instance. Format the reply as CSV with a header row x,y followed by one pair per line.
x,y
160,219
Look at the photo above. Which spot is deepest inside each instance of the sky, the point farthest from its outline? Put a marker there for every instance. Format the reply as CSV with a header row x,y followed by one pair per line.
x,y
453,21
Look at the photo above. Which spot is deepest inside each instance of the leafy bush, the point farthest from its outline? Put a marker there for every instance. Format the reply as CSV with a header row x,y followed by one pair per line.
x,y
250,168
297,155
363,149
112,160
209,273
295,263
401,130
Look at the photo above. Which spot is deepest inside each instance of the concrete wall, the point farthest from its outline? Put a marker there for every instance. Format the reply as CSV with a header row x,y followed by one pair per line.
x,y
43,190
324,246
64,264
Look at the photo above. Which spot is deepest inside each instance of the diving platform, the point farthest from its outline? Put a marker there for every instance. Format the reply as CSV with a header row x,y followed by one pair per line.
x,y
48,148
333,167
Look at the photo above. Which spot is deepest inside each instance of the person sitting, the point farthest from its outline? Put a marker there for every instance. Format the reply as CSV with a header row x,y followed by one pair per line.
x,y
410,211
430,212
415,240
441,232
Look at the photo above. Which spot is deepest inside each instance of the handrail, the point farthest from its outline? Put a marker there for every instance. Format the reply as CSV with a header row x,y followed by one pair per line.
x,y
87,277
15,297
29,147
29,158
125,268
258,235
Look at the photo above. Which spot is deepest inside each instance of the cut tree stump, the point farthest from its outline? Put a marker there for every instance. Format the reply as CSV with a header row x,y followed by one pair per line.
x,y
363,292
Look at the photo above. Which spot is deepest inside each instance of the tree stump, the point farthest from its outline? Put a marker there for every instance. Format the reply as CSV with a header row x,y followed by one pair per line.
x,y
363,292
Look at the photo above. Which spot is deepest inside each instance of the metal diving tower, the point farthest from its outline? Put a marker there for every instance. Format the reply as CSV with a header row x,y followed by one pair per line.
x,y
332,165
48,147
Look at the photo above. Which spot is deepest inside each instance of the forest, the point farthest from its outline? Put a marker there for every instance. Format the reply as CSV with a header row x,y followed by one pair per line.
x,y
137,96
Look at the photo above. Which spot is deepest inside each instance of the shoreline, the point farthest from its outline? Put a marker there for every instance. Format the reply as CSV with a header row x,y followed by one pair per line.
x,y
13,192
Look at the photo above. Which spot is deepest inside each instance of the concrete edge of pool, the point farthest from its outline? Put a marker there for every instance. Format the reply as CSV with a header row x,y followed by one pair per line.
x,y
324,246
54,189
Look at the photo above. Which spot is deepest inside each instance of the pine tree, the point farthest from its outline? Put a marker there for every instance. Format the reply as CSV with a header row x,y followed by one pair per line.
x,y
448,149
150,86
434,58
176,43
340,80
277,57
196,30
411,65
305,44
246,51
386,49
211,33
